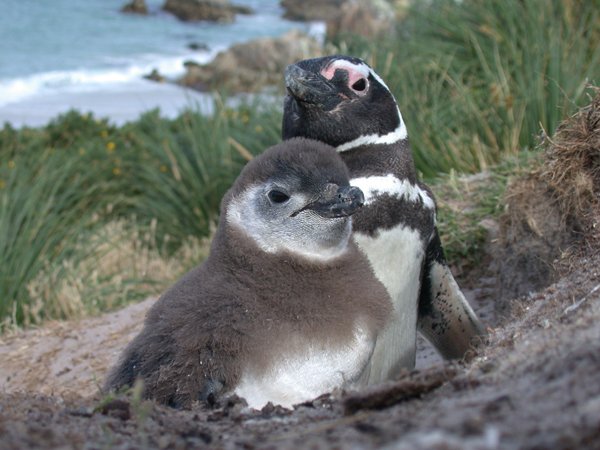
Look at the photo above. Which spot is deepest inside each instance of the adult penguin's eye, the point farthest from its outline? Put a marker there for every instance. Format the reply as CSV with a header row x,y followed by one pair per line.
x,y
278,196
360,85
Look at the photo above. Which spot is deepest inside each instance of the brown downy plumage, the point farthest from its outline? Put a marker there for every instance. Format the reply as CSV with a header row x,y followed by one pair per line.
x,y
284,293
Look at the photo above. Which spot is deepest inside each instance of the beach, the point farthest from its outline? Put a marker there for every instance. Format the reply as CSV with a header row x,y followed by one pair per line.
x,y
44,74
120,103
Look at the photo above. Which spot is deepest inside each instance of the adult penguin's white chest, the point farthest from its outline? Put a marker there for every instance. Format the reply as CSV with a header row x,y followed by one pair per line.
x,y
396,252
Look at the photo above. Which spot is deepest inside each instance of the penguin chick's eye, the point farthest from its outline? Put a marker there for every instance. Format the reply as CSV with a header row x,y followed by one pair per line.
x,y
278,196
359,86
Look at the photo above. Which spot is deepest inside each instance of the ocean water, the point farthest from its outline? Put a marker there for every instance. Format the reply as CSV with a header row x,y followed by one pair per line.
x,y
62,54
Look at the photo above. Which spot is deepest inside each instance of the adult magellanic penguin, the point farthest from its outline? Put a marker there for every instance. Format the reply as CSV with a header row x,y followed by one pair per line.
x,y
341,101
284,309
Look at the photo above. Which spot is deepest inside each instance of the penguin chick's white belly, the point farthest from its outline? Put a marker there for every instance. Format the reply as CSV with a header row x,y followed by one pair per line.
x,y
313,371
396,256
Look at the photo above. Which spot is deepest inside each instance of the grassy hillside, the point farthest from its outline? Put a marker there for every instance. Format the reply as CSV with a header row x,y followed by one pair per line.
x,y
477,80
92,215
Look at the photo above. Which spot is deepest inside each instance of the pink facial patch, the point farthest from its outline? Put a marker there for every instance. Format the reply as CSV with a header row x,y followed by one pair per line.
x,y
355,71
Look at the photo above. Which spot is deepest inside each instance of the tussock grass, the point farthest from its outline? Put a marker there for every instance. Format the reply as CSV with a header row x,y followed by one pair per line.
x,y
477,80
469,207
572,164
93,215
184,168
567,181
44,203
124,264
553,209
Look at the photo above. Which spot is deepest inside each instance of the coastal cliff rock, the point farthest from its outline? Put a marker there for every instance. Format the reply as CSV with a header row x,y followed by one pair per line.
x,y
135,7
211,10
251,66
155,75
307,10
368,18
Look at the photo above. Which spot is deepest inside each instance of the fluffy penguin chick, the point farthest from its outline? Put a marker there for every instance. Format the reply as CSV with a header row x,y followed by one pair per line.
x,y
341,101
284,309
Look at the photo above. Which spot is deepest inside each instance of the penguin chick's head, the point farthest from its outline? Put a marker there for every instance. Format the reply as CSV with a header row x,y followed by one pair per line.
x,y
295,197
341,101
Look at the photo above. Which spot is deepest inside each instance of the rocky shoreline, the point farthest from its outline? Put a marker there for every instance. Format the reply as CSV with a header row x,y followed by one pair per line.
x,y
257,64
251,66
193,10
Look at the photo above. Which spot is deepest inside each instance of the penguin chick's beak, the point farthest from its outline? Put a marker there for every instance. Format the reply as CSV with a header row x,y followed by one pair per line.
x,y
342,202
309,87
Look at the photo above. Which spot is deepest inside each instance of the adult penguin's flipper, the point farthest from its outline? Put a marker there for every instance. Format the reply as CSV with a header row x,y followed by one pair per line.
x,y
445,317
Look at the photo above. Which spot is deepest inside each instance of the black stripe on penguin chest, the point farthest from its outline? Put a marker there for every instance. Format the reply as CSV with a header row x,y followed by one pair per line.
x,y
381,159
387,211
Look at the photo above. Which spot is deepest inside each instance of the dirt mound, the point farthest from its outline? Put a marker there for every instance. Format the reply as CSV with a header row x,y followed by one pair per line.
x,y
535,385
554,209
68,358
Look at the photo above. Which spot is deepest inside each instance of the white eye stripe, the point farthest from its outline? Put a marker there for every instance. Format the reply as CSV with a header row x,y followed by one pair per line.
x,y
392,137
361,68
379,80
329,71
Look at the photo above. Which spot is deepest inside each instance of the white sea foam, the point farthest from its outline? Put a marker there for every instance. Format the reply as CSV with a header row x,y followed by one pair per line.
x,y
49,71
84,80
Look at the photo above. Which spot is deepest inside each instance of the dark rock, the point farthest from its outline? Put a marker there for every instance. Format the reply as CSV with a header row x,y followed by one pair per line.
x,y
117,408
251,66
211,10
155,76
135,7
197,46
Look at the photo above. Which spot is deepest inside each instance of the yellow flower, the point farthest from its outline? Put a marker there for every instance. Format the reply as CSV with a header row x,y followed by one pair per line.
x,y
245,118
104,134
230,113
116,171
11,164
82,151
258,128
163,168
2,184
110,146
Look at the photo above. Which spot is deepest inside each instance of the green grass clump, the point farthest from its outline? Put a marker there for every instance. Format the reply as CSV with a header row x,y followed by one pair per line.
x,y
182,168
468,207
93,215
45,203
476,80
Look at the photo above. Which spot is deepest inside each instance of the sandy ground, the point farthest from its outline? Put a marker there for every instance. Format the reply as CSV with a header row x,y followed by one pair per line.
x,y
68,357
64,358
533,385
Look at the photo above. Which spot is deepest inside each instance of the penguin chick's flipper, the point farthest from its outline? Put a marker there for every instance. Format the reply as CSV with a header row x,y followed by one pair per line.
x,y
445,317
175,366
